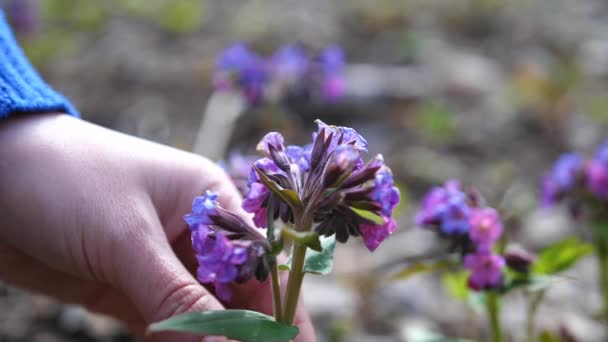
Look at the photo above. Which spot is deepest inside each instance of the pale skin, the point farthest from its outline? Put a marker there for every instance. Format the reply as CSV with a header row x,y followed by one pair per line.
x,y
95,217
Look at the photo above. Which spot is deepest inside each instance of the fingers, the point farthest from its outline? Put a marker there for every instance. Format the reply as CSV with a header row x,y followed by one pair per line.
x,y
157,283
21,270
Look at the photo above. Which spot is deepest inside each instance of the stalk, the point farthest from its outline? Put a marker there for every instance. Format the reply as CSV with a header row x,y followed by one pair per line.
x,y
294,283
276,292
492,306
534,300
602,254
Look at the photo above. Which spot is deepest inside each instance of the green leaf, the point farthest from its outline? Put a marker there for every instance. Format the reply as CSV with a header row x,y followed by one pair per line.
x,y
532,283
561,256
377,219
456,284
242,325
421,267
321,262
308,239
286,195
547,336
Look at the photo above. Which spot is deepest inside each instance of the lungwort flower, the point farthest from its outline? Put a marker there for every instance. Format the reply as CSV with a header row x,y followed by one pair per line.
x,y
239,68
445,208
227,248
597,172
562,178
486,270
325,186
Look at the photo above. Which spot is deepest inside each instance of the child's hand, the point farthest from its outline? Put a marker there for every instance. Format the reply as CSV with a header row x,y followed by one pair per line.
x,y
92,216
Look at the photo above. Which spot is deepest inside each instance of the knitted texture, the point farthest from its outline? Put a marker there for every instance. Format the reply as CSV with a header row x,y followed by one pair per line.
x,y
21,88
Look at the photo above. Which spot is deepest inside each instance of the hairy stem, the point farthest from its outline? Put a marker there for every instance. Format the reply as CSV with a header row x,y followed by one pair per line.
x,y
602,254
276,292
294,283
534,300
492,306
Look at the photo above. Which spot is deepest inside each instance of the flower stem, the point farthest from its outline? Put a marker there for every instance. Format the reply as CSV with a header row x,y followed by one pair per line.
x,y
294,283
276,292
492,306
602,253
534,300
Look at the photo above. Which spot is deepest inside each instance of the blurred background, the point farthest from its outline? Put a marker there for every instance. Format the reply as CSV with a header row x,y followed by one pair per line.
x,y
486,91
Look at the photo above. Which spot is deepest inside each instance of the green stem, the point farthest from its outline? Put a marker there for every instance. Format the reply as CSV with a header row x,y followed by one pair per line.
x,y
492,306
294,283
603,273
534,300
276,292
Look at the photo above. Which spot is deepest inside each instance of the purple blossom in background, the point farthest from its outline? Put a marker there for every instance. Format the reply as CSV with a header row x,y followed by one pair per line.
x,y
227,248
238,67
434,203
332,63
597,172
23,16
455,216
332,181
289,63
561,178
486,228
288,71
486,270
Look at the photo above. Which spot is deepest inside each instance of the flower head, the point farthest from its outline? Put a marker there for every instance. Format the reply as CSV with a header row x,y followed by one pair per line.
x,y
597,172
331,181
561,178
289,63
486,227
332,62
486,270
434,202
227,248
238,67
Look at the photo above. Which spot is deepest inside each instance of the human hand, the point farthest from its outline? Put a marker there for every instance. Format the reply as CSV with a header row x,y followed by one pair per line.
x,y
94,217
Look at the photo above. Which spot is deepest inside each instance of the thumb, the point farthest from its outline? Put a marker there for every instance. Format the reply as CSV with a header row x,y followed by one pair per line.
x,y
158,284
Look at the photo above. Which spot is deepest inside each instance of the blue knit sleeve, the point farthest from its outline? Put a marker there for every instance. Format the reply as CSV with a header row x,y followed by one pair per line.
x,y
21,88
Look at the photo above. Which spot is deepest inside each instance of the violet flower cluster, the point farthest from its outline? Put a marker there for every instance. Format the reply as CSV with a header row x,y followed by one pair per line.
x,y
227,248
289,71
574,178
332,182
474,228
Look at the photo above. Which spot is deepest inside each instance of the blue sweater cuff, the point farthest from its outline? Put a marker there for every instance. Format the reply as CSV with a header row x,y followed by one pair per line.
x,y
21,88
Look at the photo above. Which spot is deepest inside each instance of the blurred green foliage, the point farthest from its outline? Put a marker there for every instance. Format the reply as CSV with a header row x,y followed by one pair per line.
x,y
561,256
436,122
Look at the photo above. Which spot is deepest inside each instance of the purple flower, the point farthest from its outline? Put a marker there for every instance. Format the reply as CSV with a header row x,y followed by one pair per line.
x,y
597,172
222,260
342,135
23,15
332,62
202,208
385,193
271,140
238,67
289,63
374,234
435,201
485,228
486,270
332,182
455,216
561,178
